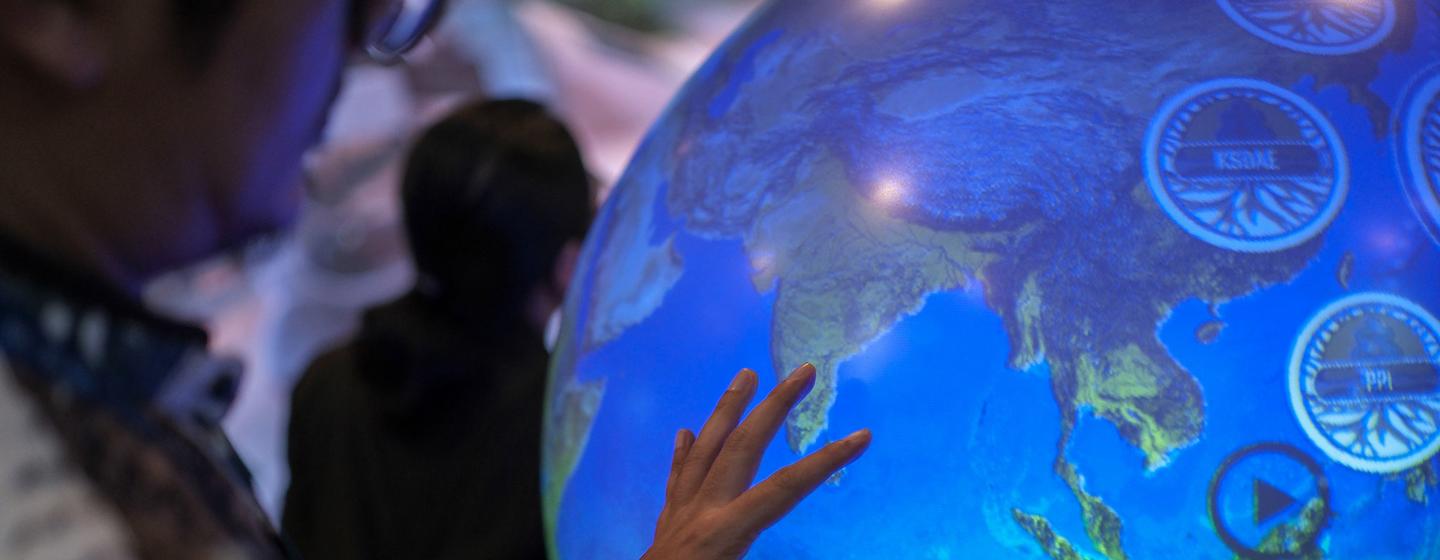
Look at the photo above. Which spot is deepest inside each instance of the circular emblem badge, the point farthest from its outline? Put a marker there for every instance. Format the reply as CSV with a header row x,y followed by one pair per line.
x,y
1246,165
1365,382
1280,470
1418,147
1326,27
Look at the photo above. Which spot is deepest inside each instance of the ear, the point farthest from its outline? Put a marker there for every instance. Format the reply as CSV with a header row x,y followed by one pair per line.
x,y
565,264
57,39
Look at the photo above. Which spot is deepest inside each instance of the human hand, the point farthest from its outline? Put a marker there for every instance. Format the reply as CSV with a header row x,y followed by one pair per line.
x,y
711,512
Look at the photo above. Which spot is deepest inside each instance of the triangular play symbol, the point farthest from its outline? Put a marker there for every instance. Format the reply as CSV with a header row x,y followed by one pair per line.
x,y
1270,501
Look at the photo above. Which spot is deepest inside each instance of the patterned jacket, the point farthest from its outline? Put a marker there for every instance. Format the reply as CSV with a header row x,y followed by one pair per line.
x,y
110,445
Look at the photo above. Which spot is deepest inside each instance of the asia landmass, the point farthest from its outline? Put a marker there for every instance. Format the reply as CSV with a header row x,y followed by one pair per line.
x,y
1055,546
862,271
875,170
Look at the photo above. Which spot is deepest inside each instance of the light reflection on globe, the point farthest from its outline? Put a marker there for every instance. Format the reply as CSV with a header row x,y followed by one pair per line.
x,y
1143,279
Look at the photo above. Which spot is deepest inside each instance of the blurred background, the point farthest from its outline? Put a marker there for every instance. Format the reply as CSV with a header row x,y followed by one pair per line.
x,y
608,67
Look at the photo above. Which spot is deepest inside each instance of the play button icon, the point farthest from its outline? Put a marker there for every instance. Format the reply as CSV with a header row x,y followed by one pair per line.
x,y
1269,500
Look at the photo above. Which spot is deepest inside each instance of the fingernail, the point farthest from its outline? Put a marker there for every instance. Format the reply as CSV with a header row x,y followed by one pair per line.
x,y
861,438
806,372
742,380
679,439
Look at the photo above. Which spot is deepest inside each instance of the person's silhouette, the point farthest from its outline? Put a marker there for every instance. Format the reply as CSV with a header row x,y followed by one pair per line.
x,y
421,437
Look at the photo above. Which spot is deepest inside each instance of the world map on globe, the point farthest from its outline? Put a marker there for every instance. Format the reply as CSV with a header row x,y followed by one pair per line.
x,y
1146,279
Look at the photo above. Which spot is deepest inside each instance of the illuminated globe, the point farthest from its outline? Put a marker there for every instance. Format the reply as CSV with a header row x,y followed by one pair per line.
x,y
1108,279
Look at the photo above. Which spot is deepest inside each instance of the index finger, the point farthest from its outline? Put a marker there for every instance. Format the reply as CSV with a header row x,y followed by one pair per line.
x,y
713,435
739,458
761,506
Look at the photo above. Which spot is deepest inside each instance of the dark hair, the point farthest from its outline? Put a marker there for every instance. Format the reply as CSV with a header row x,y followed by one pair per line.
x,y
491,195
198,26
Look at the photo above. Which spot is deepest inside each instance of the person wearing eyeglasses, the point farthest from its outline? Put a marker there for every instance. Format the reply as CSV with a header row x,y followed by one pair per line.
x,y
140,136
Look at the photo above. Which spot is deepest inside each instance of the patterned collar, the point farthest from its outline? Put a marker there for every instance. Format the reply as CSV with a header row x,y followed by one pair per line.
x,y
82,341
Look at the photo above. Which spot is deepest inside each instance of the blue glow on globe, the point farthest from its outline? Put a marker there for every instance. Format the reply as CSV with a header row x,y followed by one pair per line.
x,y
1142,279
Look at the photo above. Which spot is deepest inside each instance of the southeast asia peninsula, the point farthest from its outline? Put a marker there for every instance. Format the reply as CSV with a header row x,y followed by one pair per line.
x,y
1074,296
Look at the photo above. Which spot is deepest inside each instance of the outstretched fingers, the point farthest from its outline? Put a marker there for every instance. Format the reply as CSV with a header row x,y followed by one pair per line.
x,y
760,507
708,513
734,468
683,440
702,453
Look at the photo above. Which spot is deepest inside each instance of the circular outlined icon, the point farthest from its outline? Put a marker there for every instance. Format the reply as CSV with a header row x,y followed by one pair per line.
x,y
1281,492
1324,27
1417,147
1246,165
1364,382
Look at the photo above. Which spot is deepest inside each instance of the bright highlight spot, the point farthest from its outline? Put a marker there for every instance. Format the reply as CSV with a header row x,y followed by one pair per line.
x,y
889,192
761,260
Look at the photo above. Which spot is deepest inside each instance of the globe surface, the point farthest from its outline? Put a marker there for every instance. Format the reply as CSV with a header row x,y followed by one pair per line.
x,y
1142,279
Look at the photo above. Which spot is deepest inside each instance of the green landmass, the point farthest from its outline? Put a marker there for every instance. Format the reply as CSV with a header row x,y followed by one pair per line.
x,y
570,420
1081,289
569,413
846,272
1102,524
860,273
1297,539
1055,546
1419,481
1081,285
631,276
626,295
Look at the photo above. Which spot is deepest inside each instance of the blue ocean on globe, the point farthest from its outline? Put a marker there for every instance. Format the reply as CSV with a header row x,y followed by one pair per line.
x,y
1140,279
